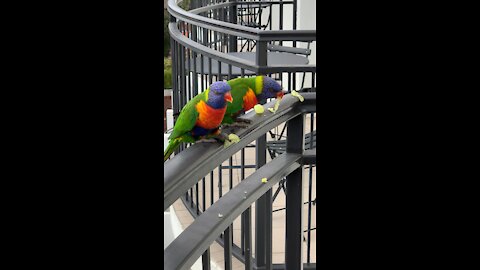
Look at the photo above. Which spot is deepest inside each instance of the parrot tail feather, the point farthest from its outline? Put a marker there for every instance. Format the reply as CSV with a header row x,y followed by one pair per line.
x,y
172,145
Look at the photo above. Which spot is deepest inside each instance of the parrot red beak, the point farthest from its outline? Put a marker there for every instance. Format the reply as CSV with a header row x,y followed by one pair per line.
x,y
228,97
280,94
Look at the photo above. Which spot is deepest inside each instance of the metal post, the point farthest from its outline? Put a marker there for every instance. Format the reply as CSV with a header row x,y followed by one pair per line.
x,y
233,19
227,247
263,213
206,260
248,238
294,228
261,54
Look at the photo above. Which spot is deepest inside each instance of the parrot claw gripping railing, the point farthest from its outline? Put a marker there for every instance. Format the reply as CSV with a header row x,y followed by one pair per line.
x,y
222,40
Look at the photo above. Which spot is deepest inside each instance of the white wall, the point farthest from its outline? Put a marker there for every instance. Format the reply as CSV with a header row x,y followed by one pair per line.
x,y
306,20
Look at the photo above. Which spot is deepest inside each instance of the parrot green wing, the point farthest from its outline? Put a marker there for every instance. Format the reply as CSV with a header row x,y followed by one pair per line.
x,y
239,87
187,118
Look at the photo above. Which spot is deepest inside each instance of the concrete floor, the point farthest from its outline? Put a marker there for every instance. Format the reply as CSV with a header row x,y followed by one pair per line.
x,y
278,218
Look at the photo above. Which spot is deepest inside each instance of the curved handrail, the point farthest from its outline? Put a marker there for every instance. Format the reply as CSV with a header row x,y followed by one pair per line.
x,y
234,61
189,246
185,169
239,30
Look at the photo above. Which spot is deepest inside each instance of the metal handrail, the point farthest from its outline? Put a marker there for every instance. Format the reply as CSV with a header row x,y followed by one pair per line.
x,y
238,62
239,30
176,35
189,246
185,169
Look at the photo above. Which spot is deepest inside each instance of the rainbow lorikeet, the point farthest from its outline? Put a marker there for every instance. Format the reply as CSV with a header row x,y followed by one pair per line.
x,y
200,117
248,92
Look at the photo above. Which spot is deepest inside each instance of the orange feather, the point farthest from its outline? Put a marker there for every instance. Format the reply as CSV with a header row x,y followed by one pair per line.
x,y
208,117
249,100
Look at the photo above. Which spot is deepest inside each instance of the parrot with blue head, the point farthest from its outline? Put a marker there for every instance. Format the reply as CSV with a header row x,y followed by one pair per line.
x,y
201,117
248,92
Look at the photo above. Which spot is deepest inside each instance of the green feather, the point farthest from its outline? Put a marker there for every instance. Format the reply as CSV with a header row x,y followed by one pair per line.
x,y
240,88
184,124
172,145
187,118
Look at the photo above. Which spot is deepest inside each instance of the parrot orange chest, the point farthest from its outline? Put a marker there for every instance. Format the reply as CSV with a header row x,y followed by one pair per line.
x,y
208,117
249,100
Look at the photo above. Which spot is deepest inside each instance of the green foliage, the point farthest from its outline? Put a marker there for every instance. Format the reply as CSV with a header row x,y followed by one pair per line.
x,y
167,73
166,35
167,61
185,4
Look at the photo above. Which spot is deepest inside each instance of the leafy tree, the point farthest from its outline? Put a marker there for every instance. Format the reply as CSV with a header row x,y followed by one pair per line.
x,y
166,35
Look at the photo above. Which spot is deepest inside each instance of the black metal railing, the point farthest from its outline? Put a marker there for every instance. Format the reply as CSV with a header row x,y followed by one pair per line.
x,y
182,171
211,42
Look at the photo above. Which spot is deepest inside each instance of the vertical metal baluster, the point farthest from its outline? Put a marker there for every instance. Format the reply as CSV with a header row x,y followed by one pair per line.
x,y
248,239
204,201
230,160
233,19
260,10
188,78
270,17
183,82
220,193
206,260
242,176
248,23
189,86
174,55
203,195
223,35
186,64
227,247
195,75
191,197
210,75
174,81
263,229
212,189
219,75
313,80
281,20
310,176
187,97
289,84
310,193
294,19
294,227
263,213
242,219
209,40
215,35
196,198
220,168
